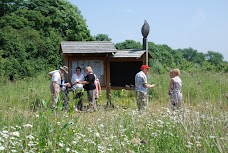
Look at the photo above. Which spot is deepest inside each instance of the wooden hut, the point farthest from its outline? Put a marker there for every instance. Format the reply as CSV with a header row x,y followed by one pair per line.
x,y
116,69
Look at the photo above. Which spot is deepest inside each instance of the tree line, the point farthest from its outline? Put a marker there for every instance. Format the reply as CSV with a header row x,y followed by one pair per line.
x,y
31,31
165,58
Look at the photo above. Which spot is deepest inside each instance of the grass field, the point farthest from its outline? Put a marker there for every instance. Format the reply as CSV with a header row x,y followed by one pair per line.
x,y
201,125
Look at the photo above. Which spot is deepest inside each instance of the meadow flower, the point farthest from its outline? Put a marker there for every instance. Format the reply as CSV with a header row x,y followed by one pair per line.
x,y
102,126
154,134
97,135
30,137
67,149
2,148
28,126
1,139
30,144
61,144
100,148
74,142
13,128
18,127
17,134
212,137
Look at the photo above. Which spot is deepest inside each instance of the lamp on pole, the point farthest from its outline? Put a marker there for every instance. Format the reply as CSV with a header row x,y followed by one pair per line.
x,y
145,31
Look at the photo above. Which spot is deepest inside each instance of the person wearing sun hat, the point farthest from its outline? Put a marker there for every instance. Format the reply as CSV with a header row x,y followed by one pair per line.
x,y
56,81
141,86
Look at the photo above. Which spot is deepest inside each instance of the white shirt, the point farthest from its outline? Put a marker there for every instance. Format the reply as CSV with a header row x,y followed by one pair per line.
x,y
76,78
56,76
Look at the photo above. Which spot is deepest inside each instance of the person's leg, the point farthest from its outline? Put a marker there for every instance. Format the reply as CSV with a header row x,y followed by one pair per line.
x,y
179,100
54,97
144,101
79,100
94,101
174,102
141,101
91,99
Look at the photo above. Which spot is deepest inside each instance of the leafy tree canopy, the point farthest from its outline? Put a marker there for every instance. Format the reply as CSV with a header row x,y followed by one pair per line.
x,y
102,37
165,58
31,31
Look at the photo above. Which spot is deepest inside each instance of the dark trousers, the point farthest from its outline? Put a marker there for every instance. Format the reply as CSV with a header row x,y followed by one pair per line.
x,y
78,98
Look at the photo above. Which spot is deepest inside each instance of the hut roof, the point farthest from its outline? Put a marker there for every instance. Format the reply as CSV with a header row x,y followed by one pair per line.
x,y
130,53
87,47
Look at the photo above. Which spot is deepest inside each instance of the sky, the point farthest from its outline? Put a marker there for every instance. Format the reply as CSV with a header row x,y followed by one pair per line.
x,y
199,24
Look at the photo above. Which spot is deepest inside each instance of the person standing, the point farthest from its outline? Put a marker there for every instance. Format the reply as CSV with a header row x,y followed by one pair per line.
x,y
141,86
90,88
175,91
56,81
98,87
78,88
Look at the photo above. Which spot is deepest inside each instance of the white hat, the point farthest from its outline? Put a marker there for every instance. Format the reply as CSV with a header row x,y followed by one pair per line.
x,y
64,68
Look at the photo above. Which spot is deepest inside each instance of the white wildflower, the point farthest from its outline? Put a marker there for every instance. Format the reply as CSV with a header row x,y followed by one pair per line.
x,y
28,125
4,135
13,128
74,142
4,131
2,148
17,134
102,125
61,144
97,135
67,149
212,136
30,137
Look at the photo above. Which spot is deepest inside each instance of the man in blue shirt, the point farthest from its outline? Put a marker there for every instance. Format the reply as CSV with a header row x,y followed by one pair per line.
x,y
141,86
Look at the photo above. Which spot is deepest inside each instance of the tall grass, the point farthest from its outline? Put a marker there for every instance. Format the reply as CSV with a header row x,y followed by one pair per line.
x,y
28,125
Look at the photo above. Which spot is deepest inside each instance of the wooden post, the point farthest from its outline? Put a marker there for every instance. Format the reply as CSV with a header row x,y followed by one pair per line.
x,y
108,84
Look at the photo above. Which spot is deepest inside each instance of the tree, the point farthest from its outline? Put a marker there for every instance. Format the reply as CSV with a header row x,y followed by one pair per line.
x,y
31,31
128,44
8,6
214,57
102,37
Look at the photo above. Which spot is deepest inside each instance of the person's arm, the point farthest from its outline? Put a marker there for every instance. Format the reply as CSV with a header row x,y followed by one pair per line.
x,y
170,86
83,82
86,81
146,85
99,87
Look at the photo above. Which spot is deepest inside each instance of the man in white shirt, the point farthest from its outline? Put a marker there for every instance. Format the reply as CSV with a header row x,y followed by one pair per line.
x,y
78,88
56,77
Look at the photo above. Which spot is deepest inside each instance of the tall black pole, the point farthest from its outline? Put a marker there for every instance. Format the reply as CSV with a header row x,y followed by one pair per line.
x,y
145,31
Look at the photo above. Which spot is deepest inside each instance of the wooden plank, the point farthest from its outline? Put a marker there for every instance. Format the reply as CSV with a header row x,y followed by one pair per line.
x,y
108,87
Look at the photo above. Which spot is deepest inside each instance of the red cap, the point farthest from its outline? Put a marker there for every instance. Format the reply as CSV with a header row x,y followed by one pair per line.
x,y
145,67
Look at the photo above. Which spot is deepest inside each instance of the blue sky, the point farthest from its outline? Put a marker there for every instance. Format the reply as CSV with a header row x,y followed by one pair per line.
x,y
200,24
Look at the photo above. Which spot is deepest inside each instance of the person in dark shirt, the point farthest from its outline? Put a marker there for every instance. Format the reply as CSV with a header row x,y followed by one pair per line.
x,y
90,88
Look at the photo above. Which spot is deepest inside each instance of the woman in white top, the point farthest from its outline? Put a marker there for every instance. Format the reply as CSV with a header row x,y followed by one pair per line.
x,y
175,87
